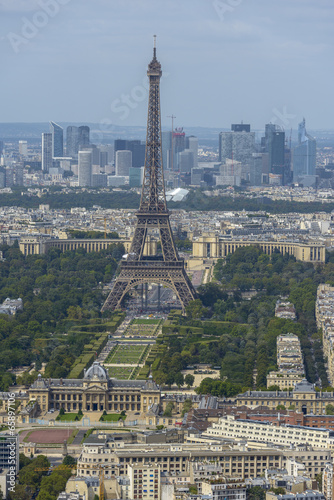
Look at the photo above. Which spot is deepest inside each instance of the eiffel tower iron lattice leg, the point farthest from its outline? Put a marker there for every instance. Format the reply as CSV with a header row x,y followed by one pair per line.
x,y
152,215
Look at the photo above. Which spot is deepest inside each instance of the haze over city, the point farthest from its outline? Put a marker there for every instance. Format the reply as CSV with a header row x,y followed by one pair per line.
x,y
222,61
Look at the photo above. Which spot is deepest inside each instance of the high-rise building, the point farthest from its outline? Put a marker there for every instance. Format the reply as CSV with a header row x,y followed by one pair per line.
x,y
304,157
172,146
196,176
179,145
256,169
166,147
103,159
186,161
1,148
85,168
237,145
84,139
240,127
72,141
95,152
23,148
136,176
273,143
123,162
46,151
192,144
57,140
136,147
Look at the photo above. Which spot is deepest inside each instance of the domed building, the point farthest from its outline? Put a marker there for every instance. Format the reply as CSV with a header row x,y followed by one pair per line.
x,y
96,391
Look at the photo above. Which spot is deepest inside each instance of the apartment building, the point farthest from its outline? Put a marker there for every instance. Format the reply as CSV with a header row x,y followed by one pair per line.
x,y
324,313
283,435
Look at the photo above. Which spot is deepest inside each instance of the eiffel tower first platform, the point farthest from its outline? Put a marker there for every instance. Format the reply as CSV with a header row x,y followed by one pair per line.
x,y
167,269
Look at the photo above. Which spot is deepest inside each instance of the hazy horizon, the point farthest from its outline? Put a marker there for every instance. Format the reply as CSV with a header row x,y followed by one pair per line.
x,y
223,61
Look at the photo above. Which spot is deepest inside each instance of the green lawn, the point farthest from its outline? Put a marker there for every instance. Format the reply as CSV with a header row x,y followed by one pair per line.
x,y
112,417
144,321
129,354
69,417
120,372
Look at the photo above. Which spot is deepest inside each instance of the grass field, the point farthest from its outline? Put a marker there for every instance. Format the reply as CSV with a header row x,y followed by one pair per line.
x,y
143,321
143,327
129,354
112,417
120,372
69,417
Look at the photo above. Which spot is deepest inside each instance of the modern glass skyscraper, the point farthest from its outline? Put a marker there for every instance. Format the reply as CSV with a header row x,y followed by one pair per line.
x,y
136,147
57,140
304,157
72,141
123,162
237,145
192,144
84,139
85,168
46,151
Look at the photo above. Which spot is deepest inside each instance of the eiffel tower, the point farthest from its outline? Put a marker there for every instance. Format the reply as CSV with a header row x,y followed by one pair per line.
x,y
166,269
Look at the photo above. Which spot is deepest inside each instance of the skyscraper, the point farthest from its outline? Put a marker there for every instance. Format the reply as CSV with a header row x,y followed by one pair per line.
x,y
23,148
57,140
166,146
85,169
237,145
186,161
72,141
273,143
304,157
123,162
84,139
46,151
192,144
136,147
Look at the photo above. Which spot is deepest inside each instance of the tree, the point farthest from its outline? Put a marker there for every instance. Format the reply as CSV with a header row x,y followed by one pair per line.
x,y
169,409
23,460
280,407
69,460
278,491
189,380
330,409
187,405
61,411
179,379
256,493
318,478
195,309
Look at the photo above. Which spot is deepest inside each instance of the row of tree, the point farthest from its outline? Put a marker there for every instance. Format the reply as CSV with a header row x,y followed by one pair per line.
x,y
58,290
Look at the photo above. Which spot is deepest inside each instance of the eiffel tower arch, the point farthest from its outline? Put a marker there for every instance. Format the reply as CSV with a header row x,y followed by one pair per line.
x,y
166,269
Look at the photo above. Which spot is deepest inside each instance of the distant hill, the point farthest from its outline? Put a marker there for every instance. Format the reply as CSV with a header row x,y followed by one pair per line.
x,y
108,133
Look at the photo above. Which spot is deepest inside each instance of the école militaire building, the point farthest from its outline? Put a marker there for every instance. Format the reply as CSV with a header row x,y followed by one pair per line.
x,y
96,391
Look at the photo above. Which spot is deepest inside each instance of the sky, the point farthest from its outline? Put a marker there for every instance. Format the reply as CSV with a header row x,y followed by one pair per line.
x,y
223,61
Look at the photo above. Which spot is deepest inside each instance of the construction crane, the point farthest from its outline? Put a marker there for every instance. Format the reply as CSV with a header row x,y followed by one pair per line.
x,y
105,225
101,469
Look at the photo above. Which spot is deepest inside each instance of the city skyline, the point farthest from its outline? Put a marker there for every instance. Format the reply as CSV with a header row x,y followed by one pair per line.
x,y
224,61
